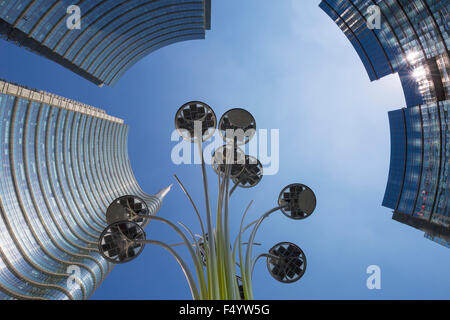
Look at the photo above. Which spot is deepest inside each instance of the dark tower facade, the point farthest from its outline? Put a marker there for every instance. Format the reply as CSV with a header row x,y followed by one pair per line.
x,y
112,35
418,187
410,38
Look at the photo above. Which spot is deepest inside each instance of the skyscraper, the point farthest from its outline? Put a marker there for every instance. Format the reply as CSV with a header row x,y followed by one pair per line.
x,y
409,37
418,185
62,163
111,36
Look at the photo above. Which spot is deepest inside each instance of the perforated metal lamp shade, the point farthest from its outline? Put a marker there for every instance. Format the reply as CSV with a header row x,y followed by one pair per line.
x,y
190,113
117,243
251,175
234,157
234,120
297,201
127,208
290,262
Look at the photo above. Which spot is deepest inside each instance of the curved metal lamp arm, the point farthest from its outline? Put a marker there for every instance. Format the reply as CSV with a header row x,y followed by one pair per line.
x,y
233,188
178,244
240,234
196,245
267,255
184,267
211,237
193,204
242,223
230,275
195,258
238,241
248,253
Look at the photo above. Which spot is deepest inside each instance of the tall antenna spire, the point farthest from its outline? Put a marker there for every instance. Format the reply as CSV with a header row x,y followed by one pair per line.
x,y
163,192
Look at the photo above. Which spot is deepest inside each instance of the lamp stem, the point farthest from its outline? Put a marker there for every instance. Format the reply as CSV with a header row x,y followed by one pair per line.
x,y
184,267
211,237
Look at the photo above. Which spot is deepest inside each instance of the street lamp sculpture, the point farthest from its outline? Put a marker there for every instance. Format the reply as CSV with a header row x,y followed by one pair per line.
x,y
216,258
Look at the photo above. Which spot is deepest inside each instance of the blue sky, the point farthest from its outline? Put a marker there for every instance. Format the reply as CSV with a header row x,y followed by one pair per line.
x,y
294,70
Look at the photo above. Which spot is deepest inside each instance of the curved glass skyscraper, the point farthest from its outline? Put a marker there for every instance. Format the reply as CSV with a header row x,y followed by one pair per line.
x,y
111,36
411,38
62,163
418,187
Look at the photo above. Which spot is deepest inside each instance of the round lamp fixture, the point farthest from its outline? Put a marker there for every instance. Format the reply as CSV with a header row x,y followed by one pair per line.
x,y
118,243
228,155
127,208
251,175
297,201
288,262
195,116
237,126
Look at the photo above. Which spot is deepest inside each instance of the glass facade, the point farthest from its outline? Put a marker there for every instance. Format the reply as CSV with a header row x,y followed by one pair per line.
x,y
413,41
62,163
441,241
418,184
113,34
